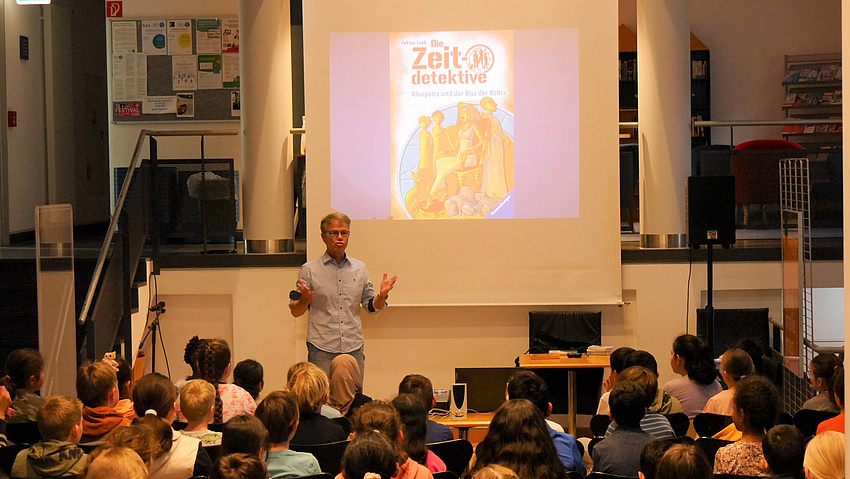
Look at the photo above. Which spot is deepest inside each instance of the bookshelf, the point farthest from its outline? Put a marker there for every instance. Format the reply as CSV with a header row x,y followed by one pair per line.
x,y
812,91
700,86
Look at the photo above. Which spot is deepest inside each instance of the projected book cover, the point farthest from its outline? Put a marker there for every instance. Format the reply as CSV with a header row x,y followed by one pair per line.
x,y
452,125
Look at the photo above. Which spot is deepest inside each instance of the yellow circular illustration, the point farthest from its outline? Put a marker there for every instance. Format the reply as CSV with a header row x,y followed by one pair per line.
x,y
184,40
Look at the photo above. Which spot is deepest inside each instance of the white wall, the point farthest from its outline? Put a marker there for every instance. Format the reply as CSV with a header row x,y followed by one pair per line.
x,y
748,41
25,94
435,340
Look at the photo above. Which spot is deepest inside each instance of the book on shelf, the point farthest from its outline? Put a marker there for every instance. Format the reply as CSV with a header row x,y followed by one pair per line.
x,y
787,129
813,74
808,129
802,99
836,128
699,69
836,97
821,128
838,73
827,73
792,76
790,99
799,128
826,99
804,75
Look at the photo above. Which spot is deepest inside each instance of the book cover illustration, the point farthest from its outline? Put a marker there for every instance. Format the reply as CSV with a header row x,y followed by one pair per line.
x,y
452,124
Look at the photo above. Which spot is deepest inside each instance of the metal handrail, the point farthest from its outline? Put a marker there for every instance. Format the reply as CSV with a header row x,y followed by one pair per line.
x,y
710,123
113,223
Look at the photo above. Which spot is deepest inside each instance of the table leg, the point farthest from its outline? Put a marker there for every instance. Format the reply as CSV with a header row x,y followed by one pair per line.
x,y
571,390
463,433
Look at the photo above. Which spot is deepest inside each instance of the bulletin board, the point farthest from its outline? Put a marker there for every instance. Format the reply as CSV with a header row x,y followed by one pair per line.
x,y
172,70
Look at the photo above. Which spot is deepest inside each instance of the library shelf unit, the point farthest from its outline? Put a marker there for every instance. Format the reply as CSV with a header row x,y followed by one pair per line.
x,y
812,91
700,87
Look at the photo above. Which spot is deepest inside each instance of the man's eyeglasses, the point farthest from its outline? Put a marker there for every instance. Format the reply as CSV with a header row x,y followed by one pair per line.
x,y
334,233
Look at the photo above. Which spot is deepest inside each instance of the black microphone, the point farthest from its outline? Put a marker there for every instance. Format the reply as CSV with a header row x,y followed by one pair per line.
x,y
160,306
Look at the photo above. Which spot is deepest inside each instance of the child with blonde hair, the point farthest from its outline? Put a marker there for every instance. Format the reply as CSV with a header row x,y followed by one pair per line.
x,y
197,402
310,387
824,457
116,462
735,364
60,421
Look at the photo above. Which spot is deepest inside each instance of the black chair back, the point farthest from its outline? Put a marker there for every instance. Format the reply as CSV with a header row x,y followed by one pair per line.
x,y
321,475
593,442
26,432
344,422
213,451
605,475
329,455
807,420
733,476
570,475
8,455
599,424
710,446
216,426
445,475
679,422
456,454
180,425
707,424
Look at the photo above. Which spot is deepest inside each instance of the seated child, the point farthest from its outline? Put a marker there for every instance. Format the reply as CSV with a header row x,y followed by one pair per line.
x,y
494,471
148,436
691,359
125,377
244,434
652,453
684,460
421,386
824,458
652,422
413,416
836,423
346,385
310,388
116,462
56,455
197,402
822,371
381,416
527,385
617,360
664,403
756,406
214,366
239,466
25,376
369,452
248,375
735,364
619,453
97,388
326,409
279,413
784,447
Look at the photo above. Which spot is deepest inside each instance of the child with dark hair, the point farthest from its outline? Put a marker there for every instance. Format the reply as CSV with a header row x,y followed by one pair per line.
x,y
664,403
155,395
244,434
691,358
735,364
190,357
618,364
652,453
421,386
822,374
369,452
381,416
652,422
619,453
97,388
239,466
527,385
519,440
684,460
279,413
124,375
248,375
25,376
413,416
784,447
60,421
836,423
756,406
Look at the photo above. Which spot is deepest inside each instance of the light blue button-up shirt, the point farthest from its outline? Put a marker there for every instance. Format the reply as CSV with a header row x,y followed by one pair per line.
x,y
339,291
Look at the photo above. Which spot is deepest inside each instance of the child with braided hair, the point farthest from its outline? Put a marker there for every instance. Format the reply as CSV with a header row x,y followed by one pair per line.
x,y
214,366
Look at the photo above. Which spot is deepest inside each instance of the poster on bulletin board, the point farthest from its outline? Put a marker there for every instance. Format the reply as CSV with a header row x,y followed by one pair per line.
x,y
175,69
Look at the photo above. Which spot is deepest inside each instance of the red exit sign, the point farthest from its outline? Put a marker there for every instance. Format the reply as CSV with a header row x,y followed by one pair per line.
x,y
114,9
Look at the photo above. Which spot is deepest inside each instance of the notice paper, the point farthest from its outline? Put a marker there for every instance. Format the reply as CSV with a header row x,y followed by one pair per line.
x,y
209,72
208,33
179,37
129,76
124,37
153,37
184,72
235,103
230,35
157,105
230,70
185,105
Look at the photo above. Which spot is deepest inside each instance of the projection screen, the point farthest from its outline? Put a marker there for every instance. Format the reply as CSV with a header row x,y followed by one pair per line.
x,y
474,146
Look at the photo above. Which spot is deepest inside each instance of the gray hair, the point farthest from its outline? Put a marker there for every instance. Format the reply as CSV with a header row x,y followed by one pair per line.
x,y
326,221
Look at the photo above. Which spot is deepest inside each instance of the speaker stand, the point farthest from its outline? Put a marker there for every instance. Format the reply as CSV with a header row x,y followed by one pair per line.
x,y
709,305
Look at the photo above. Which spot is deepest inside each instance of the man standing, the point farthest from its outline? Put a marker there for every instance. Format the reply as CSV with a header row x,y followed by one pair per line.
x,y
333,287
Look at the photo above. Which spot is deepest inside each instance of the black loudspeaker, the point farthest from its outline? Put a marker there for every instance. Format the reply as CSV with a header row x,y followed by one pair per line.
x,y
711,210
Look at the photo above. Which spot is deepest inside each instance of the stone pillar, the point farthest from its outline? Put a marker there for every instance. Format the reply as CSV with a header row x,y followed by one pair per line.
x,y
664,109
265,57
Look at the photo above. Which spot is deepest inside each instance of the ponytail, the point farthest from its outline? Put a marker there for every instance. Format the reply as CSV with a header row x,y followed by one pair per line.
x,y
826,366
213,358
697,356
21,365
